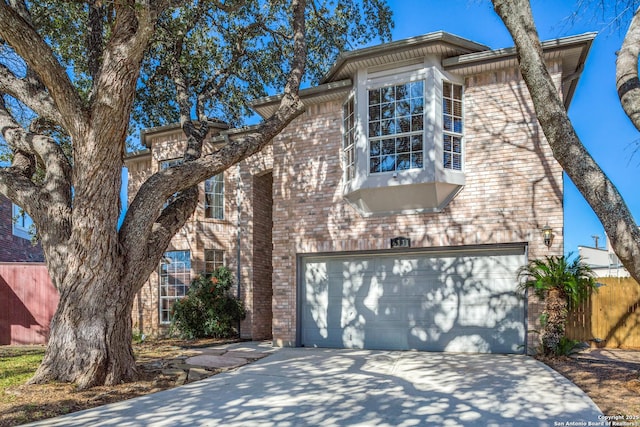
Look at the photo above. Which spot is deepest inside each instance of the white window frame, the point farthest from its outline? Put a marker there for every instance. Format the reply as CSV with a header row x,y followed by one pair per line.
x,y
453,134
215,207
395,136
21,223
216,261
349,114
174,274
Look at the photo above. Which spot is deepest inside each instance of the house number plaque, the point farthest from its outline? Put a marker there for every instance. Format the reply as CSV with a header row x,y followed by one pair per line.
x,y
400,242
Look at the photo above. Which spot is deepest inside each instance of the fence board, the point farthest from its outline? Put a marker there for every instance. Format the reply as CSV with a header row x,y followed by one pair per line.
x,y
28,301
611,315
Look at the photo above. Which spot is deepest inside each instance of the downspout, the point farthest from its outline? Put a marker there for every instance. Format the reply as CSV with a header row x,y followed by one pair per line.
x,y
238,237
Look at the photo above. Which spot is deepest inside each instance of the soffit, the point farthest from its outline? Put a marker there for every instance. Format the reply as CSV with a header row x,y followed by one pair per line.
x,y
440,43
172,131
324,93
570,52
136,156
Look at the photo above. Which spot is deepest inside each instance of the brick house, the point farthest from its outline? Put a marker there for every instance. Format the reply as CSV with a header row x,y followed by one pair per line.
x,y
393,214
15,235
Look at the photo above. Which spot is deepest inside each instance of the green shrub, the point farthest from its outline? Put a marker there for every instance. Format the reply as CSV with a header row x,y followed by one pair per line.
x,y
208,309
567,347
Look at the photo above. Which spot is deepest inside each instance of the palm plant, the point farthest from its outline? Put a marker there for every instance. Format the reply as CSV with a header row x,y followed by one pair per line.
x,y
558,281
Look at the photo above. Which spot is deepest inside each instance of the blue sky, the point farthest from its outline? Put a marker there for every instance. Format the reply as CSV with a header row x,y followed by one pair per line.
x,y
595,111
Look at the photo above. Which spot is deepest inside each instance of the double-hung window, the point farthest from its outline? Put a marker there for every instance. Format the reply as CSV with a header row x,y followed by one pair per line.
x,y
214,197
349,138
396,127
213,259
175,277
452,126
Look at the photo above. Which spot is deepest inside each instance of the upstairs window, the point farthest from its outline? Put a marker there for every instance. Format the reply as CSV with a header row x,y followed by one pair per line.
x,y
396,127
348,138
214,197
166,164
452,125
22,223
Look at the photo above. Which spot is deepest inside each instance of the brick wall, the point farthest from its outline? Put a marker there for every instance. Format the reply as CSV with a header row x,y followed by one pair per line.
x,y
14,248
262,249
513,187
200,233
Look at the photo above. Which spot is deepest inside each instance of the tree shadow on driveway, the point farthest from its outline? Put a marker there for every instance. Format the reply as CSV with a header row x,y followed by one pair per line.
x,y
312,387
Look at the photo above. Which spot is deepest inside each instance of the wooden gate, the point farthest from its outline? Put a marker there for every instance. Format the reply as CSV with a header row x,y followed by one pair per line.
x,y
610,315
28,301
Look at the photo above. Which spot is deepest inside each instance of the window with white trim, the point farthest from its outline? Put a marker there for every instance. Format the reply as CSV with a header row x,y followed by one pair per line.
x,y
213,259
452,126
175,277
348,138
396,127
22,224
214,197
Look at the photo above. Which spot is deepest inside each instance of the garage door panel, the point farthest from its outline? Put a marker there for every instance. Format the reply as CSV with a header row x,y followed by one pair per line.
x,y
442,302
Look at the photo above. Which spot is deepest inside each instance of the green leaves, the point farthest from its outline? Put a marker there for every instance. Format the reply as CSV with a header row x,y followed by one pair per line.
x,y
208,310
556,280
570,276
233,55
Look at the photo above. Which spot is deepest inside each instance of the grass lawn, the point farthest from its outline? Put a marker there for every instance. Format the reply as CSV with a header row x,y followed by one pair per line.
x,y
17,365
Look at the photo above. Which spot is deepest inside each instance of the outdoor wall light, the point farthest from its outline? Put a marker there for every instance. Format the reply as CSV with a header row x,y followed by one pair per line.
x,y
547,235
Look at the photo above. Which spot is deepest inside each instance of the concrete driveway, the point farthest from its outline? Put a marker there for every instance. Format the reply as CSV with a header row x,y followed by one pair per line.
x,y
322,387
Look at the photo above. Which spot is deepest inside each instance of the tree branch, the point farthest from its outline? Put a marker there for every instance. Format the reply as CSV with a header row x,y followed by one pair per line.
x,y
145,226
50,201
20,190
627,81
591,181
94,37
38,55
29,92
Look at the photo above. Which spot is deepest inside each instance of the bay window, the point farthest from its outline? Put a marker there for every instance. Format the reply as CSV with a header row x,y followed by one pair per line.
x,y
403,140
396,125
452,126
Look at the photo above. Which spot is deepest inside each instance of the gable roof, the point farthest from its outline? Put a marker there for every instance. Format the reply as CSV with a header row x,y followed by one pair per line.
x,y
438,43
458,56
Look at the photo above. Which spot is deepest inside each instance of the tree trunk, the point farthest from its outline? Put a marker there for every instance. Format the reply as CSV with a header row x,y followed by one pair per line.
x,y
555,312
96,267
598,190
90,340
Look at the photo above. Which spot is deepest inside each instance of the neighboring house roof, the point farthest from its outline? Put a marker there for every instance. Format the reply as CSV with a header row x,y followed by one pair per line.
x,y
603,261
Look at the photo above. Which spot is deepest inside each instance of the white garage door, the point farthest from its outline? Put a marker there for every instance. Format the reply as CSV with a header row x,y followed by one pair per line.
x,y
459,301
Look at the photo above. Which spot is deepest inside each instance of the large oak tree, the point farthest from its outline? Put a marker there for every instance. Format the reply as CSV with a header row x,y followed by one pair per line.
x,y
74,74
597,189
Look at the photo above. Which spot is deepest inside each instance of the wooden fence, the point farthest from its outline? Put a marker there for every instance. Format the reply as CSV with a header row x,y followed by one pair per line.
x,y
610,315
28,301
